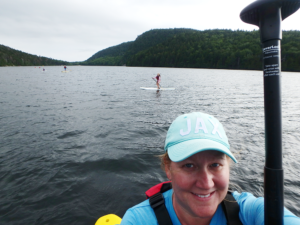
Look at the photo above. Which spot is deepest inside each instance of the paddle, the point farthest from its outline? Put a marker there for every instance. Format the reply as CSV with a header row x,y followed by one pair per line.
x,y
268,14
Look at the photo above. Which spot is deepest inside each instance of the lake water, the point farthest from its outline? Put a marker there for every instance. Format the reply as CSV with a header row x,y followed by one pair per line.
x,y
76,146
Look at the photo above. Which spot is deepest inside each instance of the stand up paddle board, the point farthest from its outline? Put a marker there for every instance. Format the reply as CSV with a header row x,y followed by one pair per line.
x,y
67,71
110,219
156,89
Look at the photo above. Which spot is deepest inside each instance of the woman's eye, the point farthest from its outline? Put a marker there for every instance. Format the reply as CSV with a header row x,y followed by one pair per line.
x,y
189,165
215,165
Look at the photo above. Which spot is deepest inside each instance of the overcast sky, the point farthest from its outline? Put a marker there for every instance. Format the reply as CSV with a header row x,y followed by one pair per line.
x,y
74,30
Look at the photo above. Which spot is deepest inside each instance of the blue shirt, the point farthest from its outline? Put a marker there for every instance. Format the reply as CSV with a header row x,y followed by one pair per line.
x,y
251,212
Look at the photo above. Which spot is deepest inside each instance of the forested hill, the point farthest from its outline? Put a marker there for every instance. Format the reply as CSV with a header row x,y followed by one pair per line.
x,y
114,51
187,48
181,48
119,54
12,57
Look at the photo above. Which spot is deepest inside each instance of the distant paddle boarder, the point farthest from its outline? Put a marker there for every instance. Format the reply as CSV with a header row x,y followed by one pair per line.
x,y
65,68
158,80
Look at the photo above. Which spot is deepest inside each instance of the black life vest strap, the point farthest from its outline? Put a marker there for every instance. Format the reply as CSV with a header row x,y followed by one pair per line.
x,y
157,203
231,210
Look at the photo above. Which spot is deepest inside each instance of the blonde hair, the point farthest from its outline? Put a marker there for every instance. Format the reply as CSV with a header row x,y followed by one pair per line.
x,y
164,160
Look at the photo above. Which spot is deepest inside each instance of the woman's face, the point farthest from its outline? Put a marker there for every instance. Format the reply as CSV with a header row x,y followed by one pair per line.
x,y
200,183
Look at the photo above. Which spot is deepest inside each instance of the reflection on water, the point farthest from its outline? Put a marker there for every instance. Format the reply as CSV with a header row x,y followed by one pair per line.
x,y
79,145
158,94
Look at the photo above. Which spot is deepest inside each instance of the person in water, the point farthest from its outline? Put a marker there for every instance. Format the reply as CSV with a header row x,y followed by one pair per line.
x,y
65,68
197,161
157,81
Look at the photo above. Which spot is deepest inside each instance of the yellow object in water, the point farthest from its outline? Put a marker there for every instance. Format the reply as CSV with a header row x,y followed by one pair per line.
x,y
110,219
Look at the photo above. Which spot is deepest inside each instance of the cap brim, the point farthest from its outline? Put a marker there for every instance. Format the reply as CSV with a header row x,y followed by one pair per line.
x,y
185,149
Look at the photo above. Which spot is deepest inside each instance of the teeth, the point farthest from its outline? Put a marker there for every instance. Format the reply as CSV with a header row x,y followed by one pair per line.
x,y
203,196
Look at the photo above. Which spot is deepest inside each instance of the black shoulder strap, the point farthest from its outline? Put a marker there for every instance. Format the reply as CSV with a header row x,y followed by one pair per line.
x,y
231,209
157,203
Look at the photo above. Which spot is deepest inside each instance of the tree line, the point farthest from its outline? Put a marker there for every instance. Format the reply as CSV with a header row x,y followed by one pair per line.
x,y
12,57
179,48
187,48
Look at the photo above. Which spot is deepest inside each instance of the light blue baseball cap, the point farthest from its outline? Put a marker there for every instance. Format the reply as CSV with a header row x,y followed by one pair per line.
x,y
196,132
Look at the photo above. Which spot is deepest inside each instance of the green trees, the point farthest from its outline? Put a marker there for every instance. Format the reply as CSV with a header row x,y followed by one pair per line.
x,y
113,56
188,48
290,50
219,49
12,57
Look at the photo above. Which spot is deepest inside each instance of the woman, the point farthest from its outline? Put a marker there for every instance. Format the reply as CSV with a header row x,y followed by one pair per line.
x,y
197,161
158,81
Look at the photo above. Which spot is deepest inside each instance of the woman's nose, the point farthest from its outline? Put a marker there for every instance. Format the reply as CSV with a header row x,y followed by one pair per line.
x,y
204,179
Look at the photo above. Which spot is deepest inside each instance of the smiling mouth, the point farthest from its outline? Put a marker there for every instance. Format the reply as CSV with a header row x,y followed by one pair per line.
x,y
203,196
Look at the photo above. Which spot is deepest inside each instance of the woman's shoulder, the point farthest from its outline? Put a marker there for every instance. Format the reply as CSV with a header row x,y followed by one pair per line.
x,y
245,196
138,214
145,204
252,209
249,204
142,213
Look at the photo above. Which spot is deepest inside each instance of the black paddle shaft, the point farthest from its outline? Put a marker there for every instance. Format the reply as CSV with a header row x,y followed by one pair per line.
x,y
268,14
